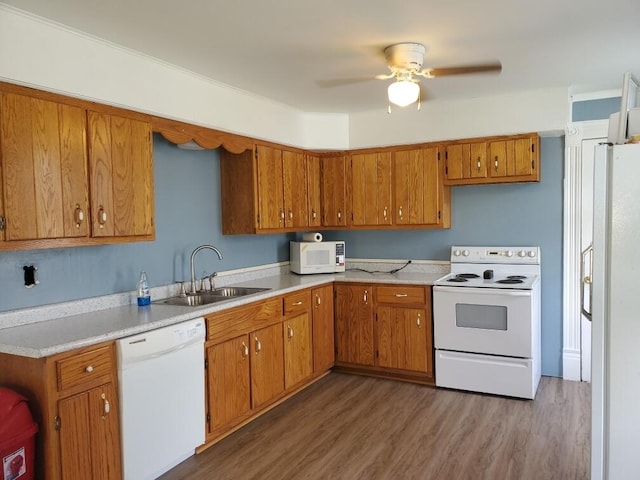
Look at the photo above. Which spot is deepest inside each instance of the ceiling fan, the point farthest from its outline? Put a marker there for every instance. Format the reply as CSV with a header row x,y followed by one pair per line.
x,y
405,64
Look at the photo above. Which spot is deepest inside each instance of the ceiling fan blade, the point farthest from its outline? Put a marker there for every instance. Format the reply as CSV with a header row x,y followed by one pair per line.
x,y
462,70
340,82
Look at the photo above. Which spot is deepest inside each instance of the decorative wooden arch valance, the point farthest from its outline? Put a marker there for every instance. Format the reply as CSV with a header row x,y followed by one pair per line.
x,y
207,138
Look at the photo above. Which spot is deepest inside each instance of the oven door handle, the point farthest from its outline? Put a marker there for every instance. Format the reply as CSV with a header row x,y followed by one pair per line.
x,y
483,291
585,280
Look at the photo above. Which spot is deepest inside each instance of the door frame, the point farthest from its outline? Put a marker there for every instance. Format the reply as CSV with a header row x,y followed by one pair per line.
x,y
575,133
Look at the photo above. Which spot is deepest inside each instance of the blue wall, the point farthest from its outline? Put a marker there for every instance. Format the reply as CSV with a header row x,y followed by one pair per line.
x,y
501,215
597,109
188,214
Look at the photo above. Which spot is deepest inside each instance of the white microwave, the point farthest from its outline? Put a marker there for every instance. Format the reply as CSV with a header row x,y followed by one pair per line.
x,y
317,257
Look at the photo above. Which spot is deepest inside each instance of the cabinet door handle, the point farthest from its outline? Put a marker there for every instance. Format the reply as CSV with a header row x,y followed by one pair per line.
x,y
258,346
401,295
495,163
419,321
245,350
102,216
313,214
297,304
281,214
339,214
106,405
400,211
365,296
89,369
384,213
290,214
478,163
289,332
78,216
318,300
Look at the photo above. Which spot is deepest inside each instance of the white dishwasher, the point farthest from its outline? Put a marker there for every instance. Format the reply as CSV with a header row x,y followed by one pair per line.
x,y
162,399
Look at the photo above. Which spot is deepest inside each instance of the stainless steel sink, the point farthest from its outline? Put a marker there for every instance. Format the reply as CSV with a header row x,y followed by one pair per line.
x,y
216,295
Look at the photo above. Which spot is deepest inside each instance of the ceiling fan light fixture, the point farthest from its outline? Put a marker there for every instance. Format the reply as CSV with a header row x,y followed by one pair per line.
x,y
403,92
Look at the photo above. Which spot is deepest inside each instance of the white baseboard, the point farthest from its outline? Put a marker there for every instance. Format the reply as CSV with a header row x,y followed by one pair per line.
x,y
571,365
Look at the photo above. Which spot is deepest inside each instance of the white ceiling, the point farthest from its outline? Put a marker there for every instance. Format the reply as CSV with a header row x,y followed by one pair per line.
x,y
282,49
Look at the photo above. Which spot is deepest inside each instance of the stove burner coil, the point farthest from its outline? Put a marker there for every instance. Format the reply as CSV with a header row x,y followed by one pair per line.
x,y
457,279
516,277
467,275
510,281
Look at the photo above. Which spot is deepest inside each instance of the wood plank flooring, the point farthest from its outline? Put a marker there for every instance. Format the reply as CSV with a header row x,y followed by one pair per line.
x,y
353,427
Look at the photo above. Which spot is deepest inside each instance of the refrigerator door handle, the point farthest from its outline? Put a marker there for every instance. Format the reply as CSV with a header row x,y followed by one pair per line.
x,y
586,280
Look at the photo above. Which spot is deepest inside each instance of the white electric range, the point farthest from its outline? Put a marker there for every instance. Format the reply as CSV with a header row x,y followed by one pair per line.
x,y
487,321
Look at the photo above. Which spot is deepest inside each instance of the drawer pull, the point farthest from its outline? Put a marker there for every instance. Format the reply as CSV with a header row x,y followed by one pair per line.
x,y
89,369
297,304
401,295
106,405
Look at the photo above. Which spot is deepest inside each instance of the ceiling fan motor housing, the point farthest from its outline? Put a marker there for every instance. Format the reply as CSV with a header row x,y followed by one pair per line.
x,y
405,56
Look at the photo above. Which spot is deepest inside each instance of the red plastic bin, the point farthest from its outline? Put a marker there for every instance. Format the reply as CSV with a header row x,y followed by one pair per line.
x,y
17,432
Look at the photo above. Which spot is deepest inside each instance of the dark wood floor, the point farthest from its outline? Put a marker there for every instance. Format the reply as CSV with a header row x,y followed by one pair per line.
x,y
352,427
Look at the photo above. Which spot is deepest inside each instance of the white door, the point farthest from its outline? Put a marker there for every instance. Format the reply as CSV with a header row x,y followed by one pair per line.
x,y
586,238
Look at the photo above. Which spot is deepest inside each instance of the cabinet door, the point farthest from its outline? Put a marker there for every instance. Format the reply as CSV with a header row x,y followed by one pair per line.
x,y
298,353
121,172
354,324
513,158
228,382
371,189
409,187
433,188
323,333
478,160
270,187
334,191
294,167
44,169
402,338
313,189
90,435
267,365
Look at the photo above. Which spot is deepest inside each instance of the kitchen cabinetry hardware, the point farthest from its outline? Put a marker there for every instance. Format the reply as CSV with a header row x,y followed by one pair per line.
x,y
78,215
102,216
245,350
365,296
400,295
106,406
495,163
89,369
418,321
2,224
297,303
258,346
318,300
289,332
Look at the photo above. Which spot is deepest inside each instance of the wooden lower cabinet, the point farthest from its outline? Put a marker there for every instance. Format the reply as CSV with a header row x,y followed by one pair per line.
x,y
298,354
267,365
228,380
323,332
354,324
385,330
74,399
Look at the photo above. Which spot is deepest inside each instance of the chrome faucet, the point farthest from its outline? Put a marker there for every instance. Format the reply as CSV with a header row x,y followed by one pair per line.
x,y
193,270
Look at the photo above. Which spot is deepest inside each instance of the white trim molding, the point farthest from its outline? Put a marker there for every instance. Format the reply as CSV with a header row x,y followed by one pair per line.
x,y
575,133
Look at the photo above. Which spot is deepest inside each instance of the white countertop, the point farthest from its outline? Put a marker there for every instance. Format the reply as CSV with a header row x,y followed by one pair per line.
x,y
41,339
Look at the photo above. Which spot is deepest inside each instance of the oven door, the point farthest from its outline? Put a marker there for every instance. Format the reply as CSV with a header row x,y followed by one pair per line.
x,y
483,320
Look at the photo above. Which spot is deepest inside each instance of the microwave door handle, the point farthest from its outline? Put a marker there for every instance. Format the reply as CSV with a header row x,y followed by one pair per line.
x,y
586,280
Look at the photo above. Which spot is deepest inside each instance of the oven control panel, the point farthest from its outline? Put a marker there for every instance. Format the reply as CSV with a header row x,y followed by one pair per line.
x,y
514,255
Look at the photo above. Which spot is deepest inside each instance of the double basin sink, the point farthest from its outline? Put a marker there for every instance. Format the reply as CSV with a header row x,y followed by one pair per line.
x,y
212,296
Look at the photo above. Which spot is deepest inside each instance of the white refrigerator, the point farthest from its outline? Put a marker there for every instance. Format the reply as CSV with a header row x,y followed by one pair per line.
x,y
614,280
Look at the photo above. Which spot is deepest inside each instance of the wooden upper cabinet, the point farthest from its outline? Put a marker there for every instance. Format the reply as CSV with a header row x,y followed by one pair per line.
x,y
515,159
44,169
294,174
314,181
420,196
465,161
270,188
334,191
121,176
371,200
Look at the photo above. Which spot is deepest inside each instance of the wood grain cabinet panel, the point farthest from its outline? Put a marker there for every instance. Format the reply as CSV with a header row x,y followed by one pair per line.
x,y
314,197
370,191
267,365
229,392
44,169
298,353
294,172
354,324
334,191
403,338
121,176
323,330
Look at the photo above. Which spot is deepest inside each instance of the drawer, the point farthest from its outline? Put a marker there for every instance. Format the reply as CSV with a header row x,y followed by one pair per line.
x,y
401,294
84,367
242,320
296,303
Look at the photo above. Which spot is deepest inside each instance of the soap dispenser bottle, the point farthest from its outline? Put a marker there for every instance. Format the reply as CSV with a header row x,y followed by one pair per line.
x,y
144,298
